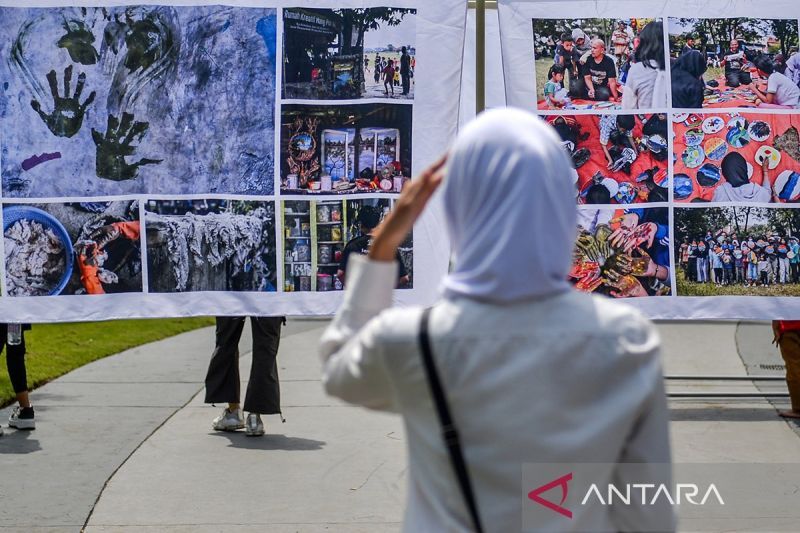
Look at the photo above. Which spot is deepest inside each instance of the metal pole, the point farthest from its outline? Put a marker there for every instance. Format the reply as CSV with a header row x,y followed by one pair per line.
x,y
480,55
728,395
725,378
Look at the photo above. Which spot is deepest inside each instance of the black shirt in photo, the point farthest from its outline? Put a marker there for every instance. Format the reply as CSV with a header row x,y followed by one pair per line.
x,y
600,72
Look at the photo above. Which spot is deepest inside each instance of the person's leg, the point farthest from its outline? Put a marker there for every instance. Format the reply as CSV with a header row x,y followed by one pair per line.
x,y
789,344
263,394
732,79
744,78
577,88
23,416
602,93
222,378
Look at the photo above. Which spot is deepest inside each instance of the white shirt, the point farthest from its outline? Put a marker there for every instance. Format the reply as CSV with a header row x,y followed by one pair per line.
x,y
640,86
784,89
749,192
567,378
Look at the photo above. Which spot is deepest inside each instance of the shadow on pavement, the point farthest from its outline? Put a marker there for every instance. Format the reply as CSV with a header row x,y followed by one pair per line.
x,y
18,442
270,442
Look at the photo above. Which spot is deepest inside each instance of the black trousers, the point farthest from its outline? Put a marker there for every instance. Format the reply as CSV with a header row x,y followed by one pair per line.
x,y
735,78
223,385
15,361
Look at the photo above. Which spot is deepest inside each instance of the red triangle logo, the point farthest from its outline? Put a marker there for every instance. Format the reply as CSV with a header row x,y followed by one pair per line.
x,y
562,482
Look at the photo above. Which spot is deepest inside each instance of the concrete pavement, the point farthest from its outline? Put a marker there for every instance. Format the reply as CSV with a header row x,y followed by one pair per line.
x,y
125,444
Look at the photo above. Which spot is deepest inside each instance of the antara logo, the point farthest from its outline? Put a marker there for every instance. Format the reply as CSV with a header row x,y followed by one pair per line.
x,y
562,482
629,494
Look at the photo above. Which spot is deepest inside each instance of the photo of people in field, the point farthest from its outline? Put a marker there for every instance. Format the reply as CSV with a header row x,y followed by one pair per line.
x,y
595,63
734,63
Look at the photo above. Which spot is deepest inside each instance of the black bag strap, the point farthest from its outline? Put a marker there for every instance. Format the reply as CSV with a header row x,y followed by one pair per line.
x,y
449,432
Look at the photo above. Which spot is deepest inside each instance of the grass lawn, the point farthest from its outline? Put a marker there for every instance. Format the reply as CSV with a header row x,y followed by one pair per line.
x,y
689,288
542,66
713,73
55,349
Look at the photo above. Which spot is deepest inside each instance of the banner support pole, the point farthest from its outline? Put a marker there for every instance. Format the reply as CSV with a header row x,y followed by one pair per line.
x,y
480,55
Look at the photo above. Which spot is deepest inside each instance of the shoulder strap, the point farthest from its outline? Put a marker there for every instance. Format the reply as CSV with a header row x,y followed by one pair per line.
x,y
449,431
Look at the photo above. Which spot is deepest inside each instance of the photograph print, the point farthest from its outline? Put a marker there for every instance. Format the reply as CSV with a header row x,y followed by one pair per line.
x,y
335,54
737,251
210,245
736,157
345,149
622,253
598,63
734,63
619,159
72,248
137,99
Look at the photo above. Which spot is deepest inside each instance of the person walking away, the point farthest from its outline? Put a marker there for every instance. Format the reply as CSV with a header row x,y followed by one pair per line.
x,y
13,340
787,338
388,77
507,321
223,385
405,70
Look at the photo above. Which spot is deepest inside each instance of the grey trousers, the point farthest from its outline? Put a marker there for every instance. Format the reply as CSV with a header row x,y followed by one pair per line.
x,y
223,384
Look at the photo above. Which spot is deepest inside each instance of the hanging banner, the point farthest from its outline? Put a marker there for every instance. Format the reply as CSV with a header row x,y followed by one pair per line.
x,y
682,121
191,158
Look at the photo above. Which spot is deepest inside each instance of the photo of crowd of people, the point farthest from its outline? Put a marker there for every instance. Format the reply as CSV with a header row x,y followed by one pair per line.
x,y
749,251
622,253
72,248
344,149
734,62
619,159
597,63
332,54
733,157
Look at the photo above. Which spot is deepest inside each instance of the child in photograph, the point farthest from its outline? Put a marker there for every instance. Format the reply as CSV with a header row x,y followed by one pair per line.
x,y
715,257
727,268
738,265
618,130
567,56
752,268
554,93
763,270
780,92
388,77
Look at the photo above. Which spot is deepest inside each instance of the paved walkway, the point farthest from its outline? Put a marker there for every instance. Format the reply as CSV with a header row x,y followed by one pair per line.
x,y
124,444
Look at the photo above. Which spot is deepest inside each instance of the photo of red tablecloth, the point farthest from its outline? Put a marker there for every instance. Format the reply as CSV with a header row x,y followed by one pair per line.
x,y
598,163
741,96
580,103
778,124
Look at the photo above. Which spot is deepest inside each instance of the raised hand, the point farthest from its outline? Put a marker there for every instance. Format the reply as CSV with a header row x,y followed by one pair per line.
x,y
67,116
116,145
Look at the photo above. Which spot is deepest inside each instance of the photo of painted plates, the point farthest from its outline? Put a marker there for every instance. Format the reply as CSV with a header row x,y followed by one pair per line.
x,y
679,117
713,125
693,137
771,154
708,175
759,131
715,148
693,156
682,186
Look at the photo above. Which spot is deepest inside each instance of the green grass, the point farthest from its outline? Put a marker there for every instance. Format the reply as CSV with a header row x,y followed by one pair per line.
x,y
542,66
55,349
688,288
713,73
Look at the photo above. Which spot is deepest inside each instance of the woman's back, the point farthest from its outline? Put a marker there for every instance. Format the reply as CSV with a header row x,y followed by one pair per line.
x,y
566,379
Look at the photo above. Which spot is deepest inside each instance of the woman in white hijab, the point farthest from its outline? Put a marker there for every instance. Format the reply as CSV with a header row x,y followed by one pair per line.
x,y
533,371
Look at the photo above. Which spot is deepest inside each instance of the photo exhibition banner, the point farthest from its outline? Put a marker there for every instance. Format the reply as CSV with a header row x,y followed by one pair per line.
x,y
682,119
216,158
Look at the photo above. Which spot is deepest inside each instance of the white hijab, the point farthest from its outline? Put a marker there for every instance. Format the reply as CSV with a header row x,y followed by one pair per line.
x,y
509,200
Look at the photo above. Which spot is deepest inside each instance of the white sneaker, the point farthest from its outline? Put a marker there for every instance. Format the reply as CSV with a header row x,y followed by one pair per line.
x,y
22,418
228,420
254,426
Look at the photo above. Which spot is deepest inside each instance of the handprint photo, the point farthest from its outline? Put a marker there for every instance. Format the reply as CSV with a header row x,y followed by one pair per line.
x,y
137,99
